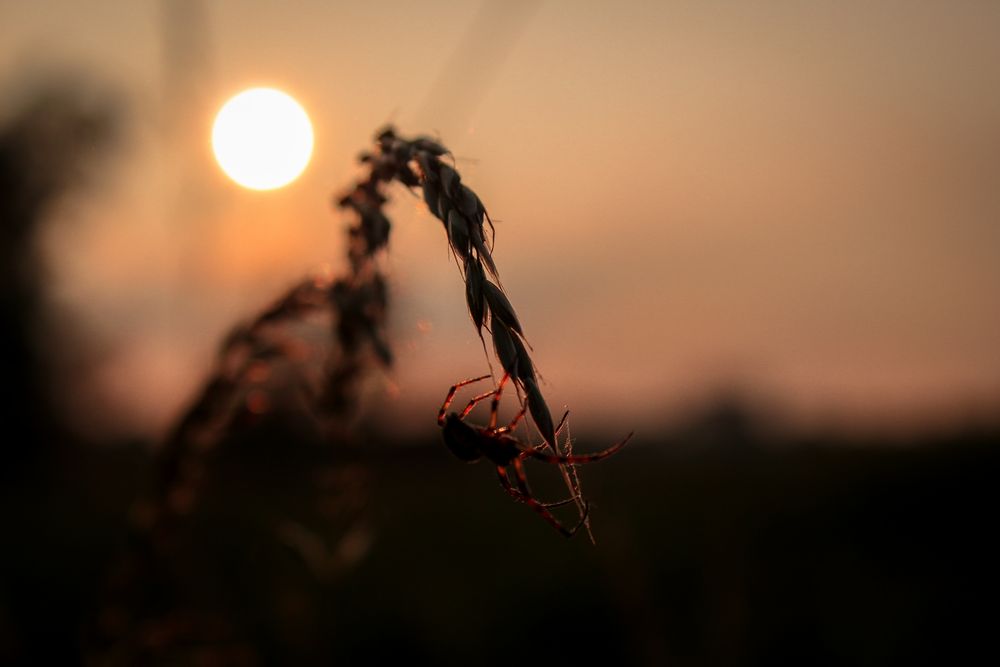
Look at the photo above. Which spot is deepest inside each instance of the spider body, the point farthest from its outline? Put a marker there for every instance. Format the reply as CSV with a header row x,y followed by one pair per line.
x,y
471,443
495,443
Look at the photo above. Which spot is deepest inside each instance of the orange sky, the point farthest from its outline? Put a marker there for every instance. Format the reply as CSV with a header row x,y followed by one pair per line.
x,y
799,200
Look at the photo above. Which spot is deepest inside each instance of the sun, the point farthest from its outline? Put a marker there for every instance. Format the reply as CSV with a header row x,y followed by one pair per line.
x,y
262,138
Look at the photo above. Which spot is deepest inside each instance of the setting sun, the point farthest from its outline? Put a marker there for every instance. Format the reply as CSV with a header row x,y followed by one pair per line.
x,y
262,139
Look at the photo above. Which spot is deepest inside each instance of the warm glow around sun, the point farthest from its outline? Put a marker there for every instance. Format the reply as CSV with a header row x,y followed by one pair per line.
x,y
262,139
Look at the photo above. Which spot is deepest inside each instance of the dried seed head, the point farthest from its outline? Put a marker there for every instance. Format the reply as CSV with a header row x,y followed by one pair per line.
x,y
239,336
463,215
458,234
500,306
469,204
428,166
432,193
525,369
476,232
427,144
503,345
511,353
407,176
385,135
450,180
379,290
540,412
382,350
401,153
375,227
474,294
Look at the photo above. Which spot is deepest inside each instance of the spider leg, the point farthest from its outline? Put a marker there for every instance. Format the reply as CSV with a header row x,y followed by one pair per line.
x,y
576,458
496,401
527,498
451,396
517,418
476,400
520,497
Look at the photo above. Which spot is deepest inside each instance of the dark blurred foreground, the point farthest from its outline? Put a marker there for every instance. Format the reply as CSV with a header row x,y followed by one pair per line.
x,y
715,545
297,552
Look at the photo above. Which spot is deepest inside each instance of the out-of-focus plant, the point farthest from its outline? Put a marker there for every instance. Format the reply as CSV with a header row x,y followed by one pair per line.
x,y
53,136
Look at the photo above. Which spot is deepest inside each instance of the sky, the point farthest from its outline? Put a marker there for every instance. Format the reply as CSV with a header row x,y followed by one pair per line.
x,y
795,203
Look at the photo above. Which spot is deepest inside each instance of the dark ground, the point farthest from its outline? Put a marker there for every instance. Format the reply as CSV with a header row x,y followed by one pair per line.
x,y
807,553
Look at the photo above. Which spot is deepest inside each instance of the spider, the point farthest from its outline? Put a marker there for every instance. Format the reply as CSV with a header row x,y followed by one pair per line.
x,y
471,443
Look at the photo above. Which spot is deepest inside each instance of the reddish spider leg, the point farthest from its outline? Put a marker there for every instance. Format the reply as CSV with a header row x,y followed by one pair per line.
x,y
451,397
524,495
569,474
573,459
523,492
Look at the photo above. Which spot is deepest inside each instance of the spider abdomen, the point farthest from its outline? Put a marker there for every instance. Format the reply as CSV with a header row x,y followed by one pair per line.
x,y
501,449
461,439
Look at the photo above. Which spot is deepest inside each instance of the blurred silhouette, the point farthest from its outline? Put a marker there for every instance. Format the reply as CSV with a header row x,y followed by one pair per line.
x,y
49,145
